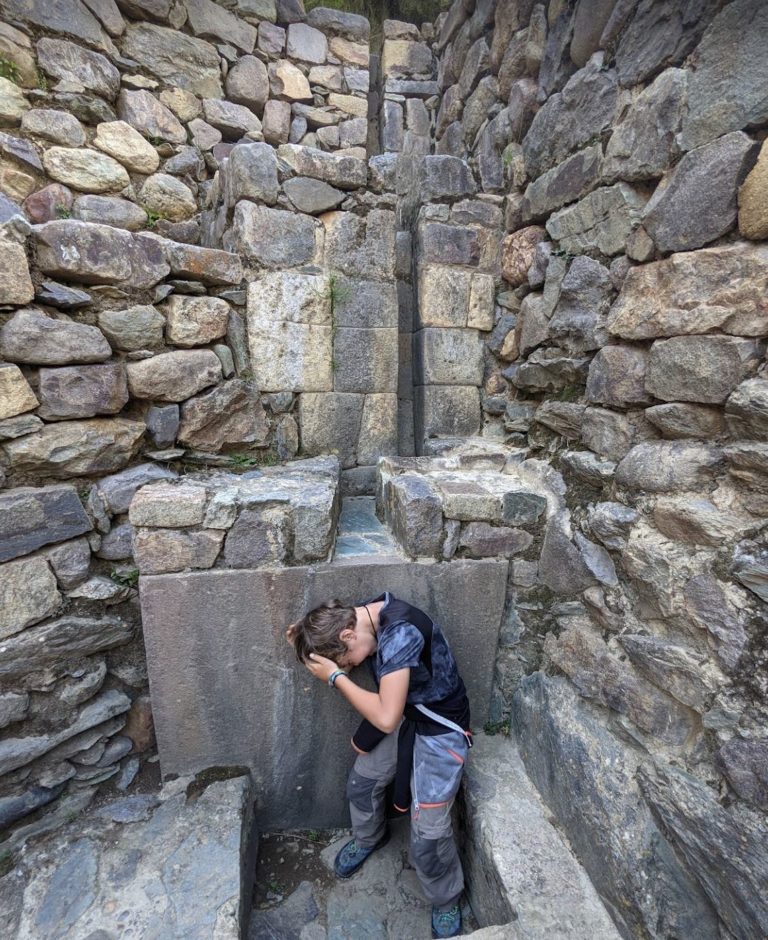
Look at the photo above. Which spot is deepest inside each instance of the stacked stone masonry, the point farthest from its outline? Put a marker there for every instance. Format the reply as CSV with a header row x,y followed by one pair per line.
x,y
230,236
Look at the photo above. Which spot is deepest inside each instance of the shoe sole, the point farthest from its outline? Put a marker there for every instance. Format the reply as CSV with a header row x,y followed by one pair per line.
x,y
379,845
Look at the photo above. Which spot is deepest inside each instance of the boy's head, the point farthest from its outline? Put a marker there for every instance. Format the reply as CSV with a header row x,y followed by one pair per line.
x,y
320,630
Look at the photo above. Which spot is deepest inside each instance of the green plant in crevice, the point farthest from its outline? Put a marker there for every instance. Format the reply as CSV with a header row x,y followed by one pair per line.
x,y
42,80
62,211
128,578
497,727
152,217
10,70
242,461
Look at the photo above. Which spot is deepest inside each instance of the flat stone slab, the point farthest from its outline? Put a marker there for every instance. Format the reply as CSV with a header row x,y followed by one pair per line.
x,y
360,532
227,690
142,866
519,871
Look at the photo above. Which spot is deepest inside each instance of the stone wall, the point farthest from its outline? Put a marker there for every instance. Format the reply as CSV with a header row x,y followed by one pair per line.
x,y
628,351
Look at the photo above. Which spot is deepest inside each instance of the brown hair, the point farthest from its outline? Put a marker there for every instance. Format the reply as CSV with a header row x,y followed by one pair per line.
x,y
319,631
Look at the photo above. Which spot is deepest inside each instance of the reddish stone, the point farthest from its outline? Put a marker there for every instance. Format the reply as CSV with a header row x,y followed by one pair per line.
x,y
518,252
140,726
49,203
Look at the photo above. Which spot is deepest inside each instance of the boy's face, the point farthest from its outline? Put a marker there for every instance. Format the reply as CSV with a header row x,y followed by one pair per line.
x,y
360,645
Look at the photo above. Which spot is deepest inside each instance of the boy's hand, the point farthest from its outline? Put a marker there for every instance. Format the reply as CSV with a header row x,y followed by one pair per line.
x,y
320,667
290,633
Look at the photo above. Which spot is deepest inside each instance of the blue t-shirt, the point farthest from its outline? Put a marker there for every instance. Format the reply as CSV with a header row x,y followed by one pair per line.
x,y
400,645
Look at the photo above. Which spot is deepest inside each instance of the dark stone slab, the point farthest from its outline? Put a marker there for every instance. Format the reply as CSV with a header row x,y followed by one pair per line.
x,y
235,695
31,517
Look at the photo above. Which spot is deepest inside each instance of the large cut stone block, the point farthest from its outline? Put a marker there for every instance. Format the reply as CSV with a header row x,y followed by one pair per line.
x,y
450,296
158,551
273,237
230,413
700,368
694,292
330,423
32,517
290,333
446,411
378,428
365,360
32,337
361,246
448,357
251,610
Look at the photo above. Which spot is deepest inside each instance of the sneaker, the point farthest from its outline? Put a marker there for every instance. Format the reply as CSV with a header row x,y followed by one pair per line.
x,y
446,922
352,856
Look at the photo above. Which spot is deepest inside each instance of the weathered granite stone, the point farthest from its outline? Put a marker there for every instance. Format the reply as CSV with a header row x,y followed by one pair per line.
x,y
699,368
724,847
726,87
163,424
13,104
76,448
644,144
164,505
271,39
699,521
617,376
251,173
287,438
746,410
175,58
70,562
168,197
549,368
58,295
448,357
578,320
696,203
82,391
613,434
27,594
588,467
71,63
247,83
85,170
30,336
392,127
229,414
139,327
126,145
563,418
403,59
443,177
273,237
60,127
567,182
47,203
682,420
258,537
610,523
118,490
287,81
117,544
210,21
337,169
355,27
173,376
753,200
204,137
110,210
446,411
562,566
312,196
571,118
33,517
195,321
233,120
306,43
481,540
601,221
366,360
14,706
15,282
660,466
748,462
361,246
415,514
709,608
693,292
16,396
209,265
518,253
18,426
330,423
276,128
143,111
158,551
378,428
448,244
566,747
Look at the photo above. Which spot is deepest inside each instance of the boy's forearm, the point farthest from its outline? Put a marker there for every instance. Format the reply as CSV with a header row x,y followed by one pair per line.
x,y
368,704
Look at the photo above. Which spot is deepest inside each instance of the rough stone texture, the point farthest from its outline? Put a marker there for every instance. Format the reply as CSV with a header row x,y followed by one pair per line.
x,y
27,594
209,265
617,376
330,424
468,593
207,19
16,396
233,120
75,448
312,196
288,81
117,491
446,411
85,170
698,368
110,210
571,118
247,83
71,63
32,337
518,253
566,749
175,58
567,182
273,237
82,391
168,197
726,87
696,203
601,221
158,551
681,420
518,868
578,320
167,505
753,200
362,247
448,357
125,144
746,410
663,466
15,283
244,420
33,517
195,321
694,292
174,376
744,763
724,847
143,111
139,327
251,173
340,170
202,849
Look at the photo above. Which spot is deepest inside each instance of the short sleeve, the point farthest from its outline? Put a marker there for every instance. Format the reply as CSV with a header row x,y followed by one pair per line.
x,y
400,647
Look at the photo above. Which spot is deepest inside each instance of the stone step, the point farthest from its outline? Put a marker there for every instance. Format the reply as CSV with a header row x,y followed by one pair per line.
x,y
360,532
521,874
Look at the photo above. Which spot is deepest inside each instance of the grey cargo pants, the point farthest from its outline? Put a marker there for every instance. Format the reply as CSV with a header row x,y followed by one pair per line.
x,y
438,763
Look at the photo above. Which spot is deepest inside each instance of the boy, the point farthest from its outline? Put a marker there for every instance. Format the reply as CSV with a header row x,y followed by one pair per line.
x,y
415,731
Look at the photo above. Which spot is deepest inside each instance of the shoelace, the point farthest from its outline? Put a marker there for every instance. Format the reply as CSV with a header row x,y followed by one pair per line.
x,y
445,918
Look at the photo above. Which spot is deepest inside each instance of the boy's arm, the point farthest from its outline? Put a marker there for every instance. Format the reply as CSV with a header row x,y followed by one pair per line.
x,y
384,708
